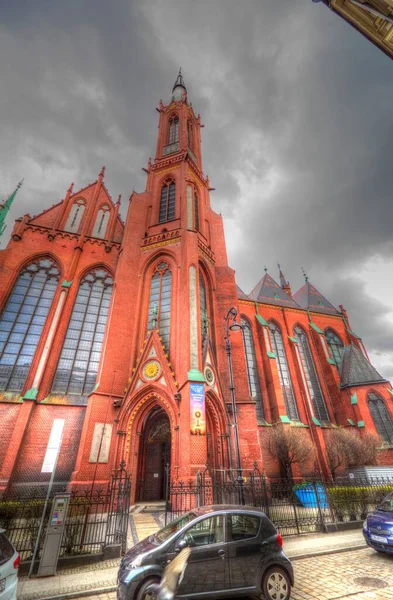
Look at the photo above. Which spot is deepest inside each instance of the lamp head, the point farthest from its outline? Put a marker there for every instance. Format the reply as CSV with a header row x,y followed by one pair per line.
x,y
235,326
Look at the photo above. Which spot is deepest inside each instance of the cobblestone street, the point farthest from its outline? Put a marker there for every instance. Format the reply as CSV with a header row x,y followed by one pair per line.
x,y
357,575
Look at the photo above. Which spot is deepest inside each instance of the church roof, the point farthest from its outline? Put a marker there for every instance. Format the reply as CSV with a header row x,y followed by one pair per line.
x,y
355,369
269,292
309,297
241,294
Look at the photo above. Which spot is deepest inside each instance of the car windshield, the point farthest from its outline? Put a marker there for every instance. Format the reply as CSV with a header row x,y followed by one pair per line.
x,y
387,504
163,534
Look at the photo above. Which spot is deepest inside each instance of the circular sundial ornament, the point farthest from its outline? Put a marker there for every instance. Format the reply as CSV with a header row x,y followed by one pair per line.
x,y
209,376
151,370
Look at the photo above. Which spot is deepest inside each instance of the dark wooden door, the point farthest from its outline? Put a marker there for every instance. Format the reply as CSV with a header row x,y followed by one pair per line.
x,y
153,481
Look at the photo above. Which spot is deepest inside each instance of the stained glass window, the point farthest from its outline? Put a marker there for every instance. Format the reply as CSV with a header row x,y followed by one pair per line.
x,y
167,202
160,302
23,320
173,133
77,369
311,376
335,345
252,369
381,417
283,372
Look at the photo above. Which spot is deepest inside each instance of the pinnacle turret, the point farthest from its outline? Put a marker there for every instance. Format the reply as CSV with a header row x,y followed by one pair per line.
x,y
6,205
179,90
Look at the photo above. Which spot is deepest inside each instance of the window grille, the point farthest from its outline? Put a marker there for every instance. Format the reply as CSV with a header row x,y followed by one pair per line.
x,y
167,202
335,345
311,376
381,417
283,372
77,369
23,320
160,302
173,133
252,369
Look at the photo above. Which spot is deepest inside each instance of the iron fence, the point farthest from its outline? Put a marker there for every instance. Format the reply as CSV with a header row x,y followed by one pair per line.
x,y
295,505
96,517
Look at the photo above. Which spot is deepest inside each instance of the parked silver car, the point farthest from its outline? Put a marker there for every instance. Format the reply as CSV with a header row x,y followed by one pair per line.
x,y
9,565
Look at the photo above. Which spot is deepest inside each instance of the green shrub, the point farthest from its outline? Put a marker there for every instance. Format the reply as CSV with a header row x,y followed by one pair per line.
x,y
353,502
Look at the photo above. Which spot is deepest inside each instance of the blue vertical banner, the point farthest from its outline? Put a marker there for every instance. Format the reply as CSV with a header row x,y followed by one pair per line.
x,y
197,409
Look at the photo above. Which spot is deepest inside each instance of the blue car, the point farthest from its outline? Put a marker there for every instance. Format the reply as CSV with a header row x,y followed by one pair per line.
x,y
378,527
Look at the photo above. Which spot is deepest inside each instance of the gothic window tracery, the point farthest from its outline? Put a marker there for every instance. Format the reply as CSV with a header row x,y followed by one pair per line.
x,y
283,371
336,346
203,308
252,369
173,131
75,216
381,417
159,316
77,368
167,202
23,320
101,223
310,375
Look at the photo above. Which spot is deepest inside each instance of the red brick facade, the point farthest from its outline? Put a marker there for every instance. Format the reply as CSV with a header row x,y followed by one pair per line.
x,y
140,373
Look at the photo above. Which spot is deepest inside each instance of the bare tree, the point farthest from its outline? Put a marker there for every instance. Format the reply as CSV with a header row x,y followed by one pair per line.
x,y
346,448
364,450
290,446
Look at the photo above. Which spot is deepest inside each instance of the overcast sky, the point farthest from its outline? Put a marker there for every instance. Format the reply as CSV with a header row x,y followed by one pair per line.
x,y
298,137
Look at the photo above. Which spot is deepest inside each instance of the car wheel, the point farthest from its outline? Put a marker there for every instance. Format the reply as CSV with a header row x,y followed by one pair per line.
x,y
276,584
148,590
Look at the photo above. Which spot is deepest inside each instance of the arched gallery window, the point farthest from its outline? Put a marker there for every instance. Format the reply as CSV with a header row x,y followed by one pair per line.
x,y
335,345
23,320
311,376
77,368
101,223
167,202
189,135
75,216
283,371
196,212
173,131
381,417
203,307
160,301
252,369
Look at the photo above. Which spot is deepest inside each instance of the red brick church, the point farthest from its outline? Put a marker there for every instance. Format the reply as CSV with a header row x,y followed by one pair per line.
x,y
119,329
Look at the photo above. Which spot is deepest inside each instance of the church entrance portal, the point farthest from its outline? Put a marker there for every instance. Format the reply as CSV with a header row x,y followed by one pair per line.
x,y
154,455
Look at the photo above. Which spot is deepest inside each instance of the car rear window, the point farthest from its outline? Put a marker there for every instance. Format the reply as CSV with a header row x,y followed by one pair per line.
x,y
6,549
244,526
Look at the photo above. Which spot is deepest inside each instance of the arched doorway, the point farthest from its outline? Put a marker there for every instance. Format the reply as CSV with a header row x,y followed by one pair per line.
x,y
154,455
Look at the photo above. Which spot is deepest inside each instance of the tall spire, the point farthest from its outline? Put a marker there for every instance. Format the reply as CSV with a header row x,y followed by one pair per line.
x,y
283,282
179,90
6,205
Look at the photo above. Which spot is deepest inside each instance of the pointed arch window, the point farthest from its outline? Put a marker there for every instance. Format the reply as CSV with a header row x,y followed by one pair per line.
x,y
189,135
283,371
23,320
252,369
77,368
167,202
336,346
75,216
101,223
173,131
160,301
311,376
203,308
381,417
196,212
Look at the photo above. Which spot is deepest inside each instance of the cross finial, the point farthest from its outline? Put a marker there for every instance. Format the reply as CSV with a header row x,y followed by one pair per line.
x,y
305,275
265,268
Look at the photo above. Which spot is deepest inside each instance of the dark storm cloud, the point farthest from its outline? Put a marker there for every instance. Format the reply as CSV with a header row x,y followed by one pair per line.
x,y
297,108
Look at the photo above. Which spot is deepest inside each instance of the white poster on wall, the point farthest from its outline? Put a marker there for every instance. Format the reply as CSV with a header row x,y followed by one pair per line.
x,y
101,443
53,446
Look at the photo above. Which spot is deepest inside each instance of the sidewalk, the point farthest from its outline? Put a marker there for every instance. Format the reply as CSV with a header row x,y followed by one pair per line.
x,y
101,577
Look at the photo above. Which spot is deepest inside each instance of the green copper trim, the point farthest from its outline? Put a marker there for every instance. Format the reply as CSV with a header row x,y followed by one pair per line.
x,y
299,424
354,398
390,392
95,388
195,375
332,362
294,340
315,421
285,419
360,423
5,207
264,424
31,394
316,328
351,422
271,354
354,335
66,284
262,321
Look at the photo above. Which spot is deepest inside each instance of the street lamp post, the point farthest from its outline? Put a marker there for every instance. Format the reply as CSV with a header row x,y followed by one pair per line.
x,y
235,326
